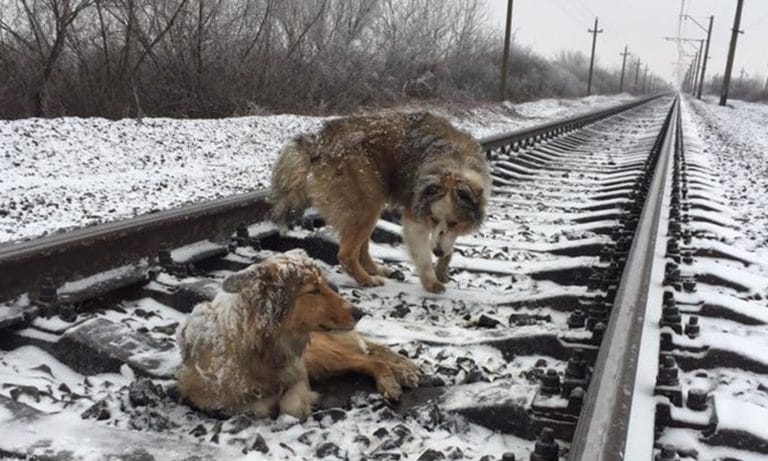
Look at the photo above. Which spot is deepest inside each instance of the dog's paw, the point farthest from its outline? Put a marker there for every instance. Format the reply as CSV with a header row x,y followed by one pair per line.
x,y
433,286
389,388
407,374
443,276
371,282
396,274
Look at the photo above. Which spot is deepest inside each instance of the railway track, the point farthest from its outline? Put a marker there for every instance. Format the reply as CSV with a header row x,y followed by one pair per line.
x,y
598,315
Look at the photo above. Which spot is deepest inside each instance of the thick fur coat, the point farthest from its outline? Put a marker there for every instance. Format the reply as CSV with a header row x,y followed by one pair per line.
x,y
245,350
355,167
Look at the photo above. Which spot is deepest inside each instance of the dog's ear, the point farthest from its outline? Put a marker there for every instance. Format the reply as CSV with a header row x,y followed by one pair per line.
x,y
239,280
469,203
466,195
428,191
270,289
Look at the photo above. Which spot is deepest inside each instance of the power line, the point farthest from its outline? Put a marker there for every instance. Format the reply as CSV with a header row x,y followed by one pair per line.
x,y
568,12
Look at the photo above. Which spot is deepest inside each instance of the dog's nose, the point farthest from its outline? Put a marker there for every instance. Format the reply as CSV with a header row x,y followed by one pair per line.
x,y
438,252
358,313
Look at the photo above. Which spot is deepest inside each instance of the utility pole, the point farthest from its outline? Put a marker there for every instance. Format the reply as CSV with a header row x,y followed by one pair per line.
x,y
637,72
505,58
594,33
645,77
696,70
706,57
731,53
623,66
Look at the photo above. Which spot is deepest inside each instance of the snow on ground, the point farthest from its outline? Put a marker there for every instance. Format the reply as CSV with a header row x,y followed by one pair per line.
x,y
71,172
736,139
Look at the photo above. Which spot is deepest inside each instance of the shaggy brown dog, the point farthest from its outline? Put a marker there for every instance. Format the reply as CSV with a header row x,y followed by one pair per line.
x,y
242,352
356,166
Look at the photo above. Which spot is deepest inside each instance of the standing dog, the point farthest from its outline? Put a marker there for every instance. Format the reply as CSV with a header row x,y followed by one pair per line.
x,y
356,166
245,350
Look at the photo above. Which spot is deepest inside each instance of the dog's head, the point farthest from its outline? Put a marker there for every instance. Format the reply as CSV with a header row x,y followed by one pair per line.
x,y
451,204
288,292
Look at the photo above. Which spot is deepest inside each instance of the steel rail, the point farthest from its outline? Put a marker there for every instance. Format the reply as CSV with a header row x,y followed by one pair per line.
x,y
82,252
526,136
607,429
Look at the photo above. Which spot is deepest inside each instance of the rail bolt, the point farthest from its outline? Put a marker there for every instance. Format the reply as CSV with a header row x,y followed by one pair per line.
x,y
668,371
689,285
697,399
576,400
669,299
692,328
48,292
550,382
577,366
672,246
597,333
668,453
546,449
164,257
577,319
241,234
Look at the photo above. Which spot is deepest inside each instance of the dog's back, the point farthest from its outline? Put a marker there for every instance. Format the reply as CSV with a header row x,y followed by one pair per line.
x,y
378,153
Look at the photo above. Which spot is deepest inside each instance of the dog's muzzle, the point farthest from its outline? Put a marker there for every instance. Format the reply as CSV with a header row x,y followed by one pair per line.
x,y
438,252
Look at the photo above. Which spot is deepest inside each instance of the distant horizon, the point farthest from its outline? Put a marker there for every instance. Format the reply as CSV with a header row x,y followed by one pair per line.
x,y
641,26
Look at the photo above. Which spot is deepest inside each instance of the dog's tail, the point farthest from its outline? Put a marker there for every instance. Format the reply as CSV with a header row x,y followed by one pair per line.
x,y
289,180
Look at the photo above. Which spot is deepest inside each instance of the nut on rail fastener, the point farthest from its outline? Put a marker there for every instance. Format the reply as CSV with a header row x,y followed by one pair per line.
x,y
546,449
697,399
577,319
692,328
667,453
668,381
550,382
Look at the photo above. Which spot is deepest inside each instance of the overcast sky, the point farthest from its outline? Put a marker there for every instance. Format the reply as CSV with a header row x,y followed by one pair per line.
x,y
552,25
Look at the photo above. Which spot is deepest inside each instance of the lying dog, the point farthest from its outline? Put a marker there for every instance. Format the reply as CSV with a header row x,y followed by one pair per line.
x,y
245,350
354,167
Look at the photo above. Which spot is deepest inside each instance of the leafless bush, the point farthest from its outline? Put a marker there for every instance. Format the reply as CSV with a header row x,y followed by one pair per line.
x,y
745,88
213,58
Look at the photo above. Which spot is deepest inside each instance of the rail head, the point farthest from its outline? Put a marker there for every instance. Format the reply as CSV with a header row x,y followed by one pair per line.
x,y
603,430
516,136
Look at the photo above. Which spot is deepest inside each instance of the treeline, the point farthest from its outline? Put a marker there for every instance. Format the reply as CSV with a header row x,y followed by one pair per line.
x,y
215,58
743,87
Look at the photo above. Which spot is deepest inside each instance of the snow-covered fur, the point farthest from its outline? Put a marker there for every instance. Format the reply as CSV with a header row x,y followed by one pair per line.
x,y
242,352
354,167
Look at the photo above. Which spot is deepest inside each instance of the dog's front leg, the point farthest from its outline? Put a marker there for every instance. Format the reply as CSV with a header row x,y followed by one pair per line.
x,y
441,268
298,399
416,237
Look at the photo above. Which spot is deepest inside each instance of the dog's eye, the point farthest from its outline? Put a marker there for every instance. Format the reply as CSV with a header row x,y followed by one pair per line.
x,y
452,224
434,221
465,195
315,290
431,190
